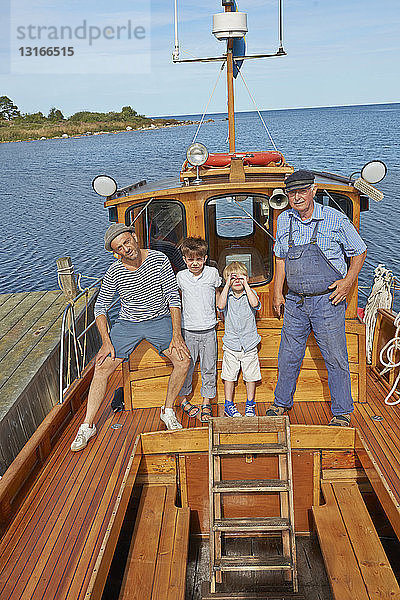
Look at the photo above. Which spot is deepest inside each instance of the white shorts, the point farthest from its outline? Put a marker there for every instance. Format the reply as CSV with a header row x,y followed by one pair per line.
x,y
233,361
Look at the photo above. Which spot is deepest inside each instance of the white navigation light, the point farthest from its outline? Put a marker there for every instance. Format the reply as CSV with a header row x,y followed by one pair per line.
x,y
104,185
197,154
229,25
374,171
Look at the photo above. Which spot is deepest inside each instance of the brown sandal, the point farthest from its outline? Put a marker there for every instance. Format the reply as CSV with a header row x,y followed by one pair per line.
x,y
206,413
190,409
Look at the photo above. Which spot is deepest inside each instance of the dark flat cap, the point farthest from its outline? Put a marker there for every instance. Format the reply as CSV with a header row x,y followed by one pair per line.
x,y
299,180
113,231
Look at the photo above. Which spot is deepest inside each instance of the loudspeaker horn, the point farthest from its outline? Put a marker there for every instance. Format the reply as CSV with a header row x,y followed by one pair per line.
x,y
278,200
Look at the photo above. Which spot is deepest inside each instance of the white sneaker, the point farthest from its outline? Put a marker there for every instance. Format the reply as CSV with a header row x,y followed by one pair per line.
x,y
85,432
168,417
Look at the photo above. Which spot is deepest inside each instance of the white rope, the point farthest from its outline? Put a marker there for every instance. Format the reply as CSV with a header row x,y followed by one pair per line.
x,y
208,103
380,297
389,362
257,109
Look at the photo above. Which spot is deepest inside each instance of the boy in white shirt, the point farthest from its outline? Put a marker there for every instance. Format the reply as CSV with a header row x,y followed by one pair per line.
x,y
199,285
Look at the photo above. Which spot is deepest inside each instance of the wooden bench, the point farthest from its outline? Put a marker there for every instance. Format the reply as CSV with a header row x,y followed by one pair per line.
x,y
355,560
156,565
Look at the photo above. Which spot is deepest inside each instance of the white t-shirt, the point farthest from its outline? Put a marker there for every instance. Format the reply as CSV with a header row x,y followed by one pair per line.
x,y
198,298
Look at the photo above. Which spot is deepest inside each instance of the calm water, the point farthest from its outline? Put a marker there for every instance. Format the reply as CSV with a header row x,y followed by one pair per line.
x,y
48,208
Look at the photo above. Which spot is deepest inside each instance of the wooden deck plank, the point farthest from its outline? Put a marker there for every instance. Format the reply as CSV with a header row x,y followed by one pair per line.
x,y
373,563
177,581
25,315
165,549
388,464
332,535
12,301
3,298
138,582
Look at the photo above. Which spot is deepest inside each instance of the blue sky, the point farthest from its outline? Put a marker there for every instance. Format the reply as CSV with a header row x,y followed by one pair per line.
x,y
339,52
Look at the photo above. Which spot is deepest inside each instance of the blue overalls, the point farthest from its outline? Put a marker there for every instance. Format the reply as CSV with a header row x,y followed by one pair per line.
x,y
307,307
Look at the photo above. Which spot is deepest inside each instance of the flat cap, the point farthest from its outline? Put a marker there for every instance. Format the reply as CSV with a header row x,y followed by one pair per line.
x,y
113,231
299,180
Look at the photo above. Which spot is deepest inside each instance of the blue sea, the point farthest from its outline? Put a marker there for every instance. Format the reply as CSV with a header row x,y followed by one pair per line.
x,y
49,210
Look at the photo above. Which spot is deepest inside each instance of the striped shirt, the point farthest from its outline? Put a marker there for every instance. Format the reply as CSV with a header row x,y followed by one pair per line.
x,y
337,237
146,293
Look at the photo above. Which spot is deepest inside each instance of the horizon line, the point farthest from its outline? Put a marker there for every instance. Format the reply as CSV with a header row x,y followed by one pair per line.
x,y
280,109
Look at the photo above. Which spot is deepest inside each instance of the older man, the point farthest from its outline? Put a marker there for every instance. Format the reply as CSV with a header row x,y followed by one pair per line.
x,y
150,310
311,246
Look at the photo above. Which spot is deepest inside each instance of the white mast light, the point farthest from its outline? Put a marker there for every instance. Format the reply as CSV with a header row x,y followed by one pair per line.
x,y
229,25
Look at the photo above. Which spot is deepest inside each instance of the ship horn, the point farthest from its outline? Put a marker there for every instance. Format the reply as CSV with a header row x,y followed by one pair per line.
x,y
278,200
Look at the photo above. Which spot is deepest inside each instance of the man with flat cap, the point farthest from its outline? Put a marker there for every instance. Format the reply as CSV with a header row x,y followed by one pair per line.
x,y
150,310
312,243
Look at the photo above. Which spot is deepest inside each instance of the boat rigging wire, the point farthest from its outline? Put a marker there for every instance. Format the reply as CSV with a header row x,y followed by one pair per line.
x,y
257,109
255,221
391,348
208,103
143,209
334,201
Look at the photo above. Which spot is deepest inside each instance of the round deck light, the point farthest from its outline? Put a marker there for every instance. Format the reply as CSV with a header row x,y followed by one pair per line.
x,y
197,154
104,185
374,171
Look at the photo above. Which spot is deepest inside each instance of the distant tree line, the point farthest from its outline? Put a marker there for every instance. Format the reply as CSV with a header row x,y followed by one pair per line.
x,y
10,112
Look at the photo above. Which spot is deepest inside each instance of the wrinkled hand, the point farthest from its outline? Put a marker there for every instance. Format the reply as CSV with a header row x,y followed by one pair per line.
x,y
277,303
178,343
107,349
341,288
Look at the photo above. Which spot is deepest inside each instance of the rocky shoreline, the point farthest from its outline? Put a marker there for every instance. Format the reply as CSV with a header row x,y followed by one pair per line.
x,y
154,125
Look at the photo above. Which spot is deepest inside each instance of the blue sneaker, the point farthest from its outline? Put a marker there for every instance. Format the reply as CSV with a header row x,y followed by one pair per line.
x,y
231,410
250,410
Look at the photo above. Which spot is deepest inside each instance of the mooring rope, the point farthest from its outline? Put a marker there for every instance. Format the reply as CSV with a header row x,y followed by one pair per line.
x,y
380,297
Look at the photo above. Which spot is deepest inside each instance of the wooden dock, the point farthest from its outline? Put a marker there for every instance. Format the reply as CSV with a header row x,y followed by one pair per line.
x,y
30,327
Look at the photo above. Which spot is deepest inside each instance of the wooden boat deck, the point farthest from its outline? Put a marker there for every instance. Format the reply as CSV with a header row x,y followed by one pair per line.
x,y
51,547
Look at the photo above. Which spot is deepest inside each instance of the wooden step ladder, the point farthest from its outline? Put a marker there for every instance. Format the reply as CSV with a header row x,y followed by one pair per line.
x,y
247,437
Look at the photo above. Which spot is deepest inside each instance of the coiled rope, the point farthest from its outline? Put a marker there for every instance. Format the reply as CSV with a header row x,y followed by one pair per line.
x,y
380,297
389,362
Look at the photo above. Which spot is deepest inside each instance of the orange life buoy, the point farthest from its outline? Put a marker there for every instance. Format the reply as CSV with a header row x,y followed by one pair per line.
x,y
261,159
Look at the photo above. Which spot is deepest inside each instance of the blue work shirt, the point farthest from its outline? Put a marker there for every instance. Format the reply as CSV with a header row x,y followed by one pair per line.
x,y
337,237
240,323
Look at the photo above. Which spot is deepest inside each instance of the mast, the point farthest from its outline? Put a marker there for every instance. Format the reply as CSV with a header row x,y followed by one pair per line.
x,y
231,91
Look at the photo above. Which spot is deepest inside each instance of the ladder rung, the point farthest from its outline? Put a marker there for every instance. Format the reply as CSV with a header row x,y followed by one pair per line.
x,y
254,524
250,449
237,563
249,425
252,485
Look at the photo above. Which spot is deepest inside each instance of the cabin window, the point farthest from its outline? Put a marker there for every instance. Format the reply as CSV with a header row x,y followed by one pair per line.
x,y
234,235
338,201
160,225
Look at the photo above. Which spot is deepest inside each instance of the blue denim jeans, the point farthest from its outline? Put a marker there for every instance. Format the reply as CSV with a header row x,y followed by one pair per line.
x,y
327,321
